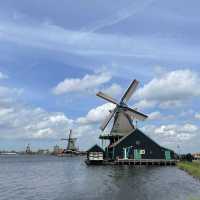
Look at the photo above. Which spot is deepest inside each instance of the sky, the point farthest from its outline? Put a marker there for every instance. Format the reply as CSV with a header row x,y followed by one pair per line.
x,y
56,55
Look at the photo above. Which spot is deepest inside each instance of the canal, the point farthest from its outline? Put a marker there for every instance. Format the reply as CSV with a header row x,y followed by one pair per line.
x,y
53,178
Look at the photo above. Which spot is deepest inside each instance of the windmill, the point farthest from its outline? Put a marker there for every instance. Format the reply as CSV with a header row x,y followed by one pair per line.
x,y
126,142
123,115
28,149
71,142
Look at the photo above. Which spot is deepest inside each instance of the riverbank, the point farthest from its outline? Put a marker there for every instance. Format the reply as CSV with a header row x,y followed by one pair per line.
x,y
193,168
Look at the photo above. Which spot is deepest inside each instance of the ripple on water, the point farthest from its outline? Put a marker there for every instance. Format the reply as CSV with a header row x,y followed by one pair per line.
x,y
53,178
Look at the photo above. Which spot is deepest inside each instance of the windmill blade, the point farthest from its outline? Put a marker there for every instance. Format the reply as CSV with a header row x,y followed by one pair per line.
x,y
64,139
106,97
132,88
135,114
108,118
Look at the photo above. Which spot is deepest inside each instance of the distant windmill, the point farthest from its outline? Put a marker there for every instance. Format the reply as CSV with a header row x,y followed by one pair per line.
x,y
123,115
71,142
28,149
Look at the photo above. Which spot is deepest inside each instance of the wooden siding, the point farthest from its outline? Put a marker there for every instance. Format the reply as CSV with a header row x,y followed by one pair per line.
x,y
138,140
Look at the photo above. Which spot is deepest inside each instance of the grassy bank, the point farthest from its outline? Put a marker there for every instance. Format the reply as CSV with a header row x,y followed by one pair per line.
x,y
193,168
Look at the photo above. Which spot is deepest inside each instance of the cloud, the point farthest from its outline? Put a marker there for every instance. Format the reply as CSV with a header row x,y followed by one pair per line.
x,y
87,43
86,83
59,118
9,96
172,103
121,15
158,116
3,76
26,122
22,121
6,92
171,135
96,115
114,90
5,111
155,116
43,133
18,120
143,104
182,132
172,89
197,116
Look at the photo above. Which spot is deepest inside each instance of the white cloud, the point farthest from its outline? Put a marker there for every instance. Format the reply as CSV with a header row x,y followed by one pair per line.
x,y
172,132
119,16
4,91
87,43
172,103
3,76
9,92
155,116
19,121
172,89
184,135
96,115
53,120
81,84
182,132
27,122
142,104
58,118
5,111
43,133
197,116
86,130
22,121
187,113
114,90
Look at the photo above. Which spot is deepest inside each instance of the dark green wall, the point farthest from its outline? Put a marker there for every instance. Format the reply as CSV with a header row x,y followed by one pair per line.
x,y
152,149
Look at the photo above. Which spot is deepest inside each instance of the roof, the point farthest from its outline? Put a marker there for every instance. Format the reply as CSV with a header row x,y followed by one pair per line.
x,y
132,132
116,143
95,148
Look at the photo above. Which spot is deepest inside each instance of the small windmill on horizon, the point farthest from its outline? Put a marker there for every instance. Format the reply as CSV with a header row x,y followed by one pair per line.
x,y
71,144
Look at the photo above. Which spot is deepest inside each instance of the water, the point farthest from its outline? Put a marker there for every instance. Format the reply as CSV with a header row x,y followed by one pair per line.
x,y
53,178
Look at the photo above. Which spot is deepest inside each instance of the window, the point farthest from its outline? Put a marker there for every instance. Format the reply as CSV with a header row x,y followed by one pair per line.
x,y
137,142
142,151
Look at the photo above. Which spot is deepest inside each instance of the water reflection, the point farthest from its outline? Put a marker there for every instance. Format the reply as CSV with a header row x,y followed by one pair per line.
x,y
52,178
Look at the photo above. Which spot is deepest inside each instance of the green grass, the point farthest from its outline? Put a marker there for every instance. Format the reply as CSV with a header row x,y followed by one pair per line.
x,y
193,198
193,168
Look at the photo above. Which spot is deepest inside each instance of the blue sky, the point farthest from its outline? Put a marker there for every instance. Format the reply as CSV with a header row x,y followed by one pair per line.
x,y
55,56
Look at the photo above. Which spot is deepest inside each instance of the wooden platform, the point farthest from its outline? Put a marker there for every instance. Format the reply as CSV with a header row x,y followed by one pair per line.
x,y
149,162
142,162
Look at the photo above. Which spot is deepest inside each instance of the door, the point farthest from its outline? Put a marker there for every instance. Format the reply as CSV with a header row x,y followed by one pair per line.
x,y
167,155
125,153
137,155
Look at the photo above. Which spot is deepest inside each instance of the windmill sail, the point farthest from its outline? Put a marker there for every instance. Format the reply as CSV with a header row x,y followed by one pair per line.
x,y
135,114
123,115
122,125
106,97
132,88
107,120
